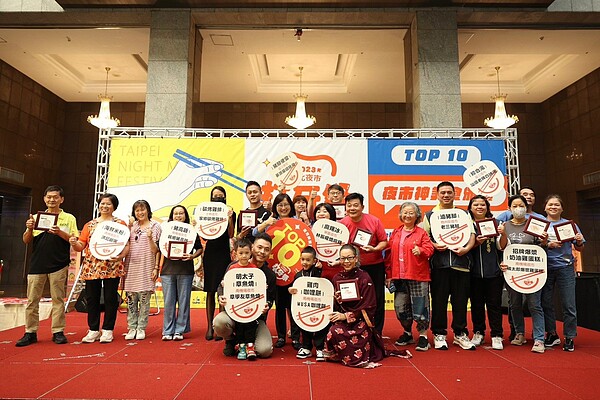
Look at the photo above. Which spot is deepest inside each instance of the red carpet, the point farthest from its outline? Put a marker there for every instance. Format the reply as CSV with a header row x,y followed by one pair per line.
x,y
196,369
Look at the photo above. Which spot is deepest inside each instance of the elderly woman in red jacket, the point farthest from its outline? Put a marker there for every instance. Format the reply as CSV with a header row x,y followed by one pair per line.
x,y
407,275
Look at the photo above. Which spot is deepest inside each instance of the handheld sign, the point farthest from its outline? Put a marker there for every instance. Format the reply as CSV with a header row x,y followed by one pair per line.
x,y
290,237
313,303
108,240
245,291
451,227
329,236
527,267
212,220
285,169
175,231
484,178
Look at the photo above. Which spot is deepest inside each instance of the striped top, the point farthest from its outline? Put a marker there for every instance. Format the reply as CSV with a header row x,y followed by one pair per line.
x,y
140,261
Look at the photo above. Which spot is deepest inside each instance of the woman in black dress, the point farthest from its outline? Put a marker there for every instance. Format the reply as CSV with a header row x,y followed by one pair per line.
x,y
217,256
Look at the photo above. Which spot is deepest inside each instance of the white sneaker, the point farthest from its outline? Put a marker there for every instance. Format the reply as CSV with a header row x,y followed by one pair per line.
x,y
497,343
464,342
167,337
320,355
107,336
130,335
303,353
140,334
477,339
439,342
178,336
91,337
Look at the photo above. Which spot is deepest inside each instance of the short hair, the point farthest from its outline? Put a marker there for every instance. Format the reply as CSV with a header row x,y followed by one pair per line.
x,y
185,211
526,187
219,188
445,183
415,206
113,199
242,243
310,250
488,212
355,196
515,197
263,236
252,183
554,196
278,199
354,250
329,209
141,203
299,198
55,188
335,186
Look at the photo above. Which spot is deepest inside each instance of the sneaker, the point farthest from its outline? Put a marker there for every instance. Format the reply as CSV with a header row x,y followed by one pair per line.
x,y
27,339
303,353
538,346
130,335
280,343
464,342
250,352
59,338
91,337
107,336
178,336
551,340
404,339
140,334
296,345
569,345
242,355
477,339
497,343
320,355
229,349
423,344
165,338
519,340
439,342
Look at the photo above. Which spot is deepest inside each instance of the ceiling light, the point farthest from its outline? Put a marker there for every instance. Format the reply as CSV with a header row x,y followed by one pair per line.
x,y
300,120
500,120
103,120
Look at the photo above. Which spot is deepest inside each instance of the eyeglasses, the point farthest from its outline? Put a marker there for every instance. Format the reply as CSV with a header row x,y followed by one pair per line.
x,y
350,258
335,193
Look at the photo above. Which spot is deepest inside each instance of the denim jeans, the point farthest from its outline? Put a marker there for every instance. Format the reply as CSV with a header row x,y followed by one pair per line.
x,y
138,309
177,291
411,303
534,303
564,278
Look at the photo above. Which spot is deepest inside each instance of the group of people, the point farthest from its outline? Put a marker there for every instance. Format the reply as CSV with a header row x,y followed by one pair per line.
x,y
410,263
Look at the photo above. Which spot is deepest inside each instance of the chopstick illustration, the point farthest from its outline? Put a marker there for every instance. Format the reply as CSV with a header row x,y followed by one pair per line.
x,y
313,312
246,303
196,162
489,180
452,232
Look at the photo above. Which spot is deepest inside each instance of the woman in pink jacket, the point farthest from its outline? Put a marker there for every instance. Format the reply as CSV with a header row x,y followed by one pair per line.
x,y
407,275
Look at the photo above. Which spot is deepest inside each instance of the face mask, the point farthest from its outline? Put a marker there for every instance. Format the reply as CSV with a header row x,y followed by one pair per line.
x,y
519,212
218,199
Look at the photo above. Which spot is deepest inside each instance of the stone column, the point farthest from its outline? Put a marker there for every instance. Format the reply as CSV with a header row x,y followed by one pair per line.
x,y
432,71
169,93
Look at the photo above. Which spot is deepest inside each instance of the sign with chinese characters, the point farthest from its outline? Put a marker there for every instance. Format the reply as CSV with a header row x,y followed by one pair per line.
x,y
175,231
285,169
484,178
108,240
211,219
290,237
526,267
313,303
329,236
245,292
451,227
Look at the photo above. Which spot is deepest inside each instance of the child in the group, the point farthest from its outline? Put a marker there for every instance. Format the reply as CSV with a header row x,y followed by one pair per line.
x,y
308,260
245,332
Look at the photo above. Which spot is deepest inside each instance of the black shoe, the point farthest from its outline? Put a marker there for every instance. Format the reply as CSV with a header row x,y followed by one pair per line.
x,y
296,345
27,339
59,338
209,334
423,344
569,345
280,343
218,338
229,349
405,339
552,339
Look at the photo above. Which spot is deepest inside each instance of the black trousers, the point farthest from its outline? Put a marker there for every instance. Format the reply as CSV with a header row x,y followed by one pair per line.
x,y
316,338
448,282
93,291
487,293
283,310
377,274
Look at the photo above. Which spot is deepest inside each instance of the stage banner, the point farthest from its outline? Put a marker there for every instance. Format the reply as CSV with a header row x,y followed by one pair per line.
x,y
410,169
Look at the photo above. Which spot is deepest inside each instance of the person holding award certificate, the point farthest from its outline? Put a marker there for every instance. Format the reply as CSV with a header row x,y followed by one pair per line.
x,y
328,270
101,274
563,235
255,214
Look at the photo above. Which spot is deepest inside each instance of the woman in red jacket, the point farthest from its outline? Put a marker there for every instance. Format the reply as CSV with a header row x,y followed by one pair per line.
x,y
407,275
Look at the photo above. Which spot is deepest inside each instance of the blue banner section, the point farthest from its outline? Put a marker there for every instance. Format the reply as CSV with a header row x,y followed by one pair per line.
x,y
432,156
